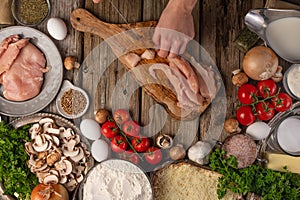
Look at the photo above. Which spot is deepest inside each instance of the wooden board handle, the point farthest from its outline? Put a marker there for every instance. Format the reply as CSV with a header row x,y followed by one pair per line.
x,y
84,21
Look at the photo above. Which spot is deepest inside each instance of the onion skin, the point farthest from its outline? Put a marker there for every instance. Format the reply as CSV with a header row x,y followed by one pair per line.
x,y
260,63
55,192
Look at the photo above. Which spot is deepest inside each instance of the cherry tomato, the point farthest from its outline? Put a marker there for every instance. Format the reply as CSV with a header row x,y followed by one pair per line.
x,y
266,88
130,156
140,144
118,144
131,128
247,93
265,110
153,155
282,102
120,116
245,115
109,129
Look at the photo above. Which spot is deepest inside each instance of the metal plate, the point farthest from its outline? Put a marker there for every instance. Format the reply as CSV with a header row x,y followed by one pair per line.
x,y
52,79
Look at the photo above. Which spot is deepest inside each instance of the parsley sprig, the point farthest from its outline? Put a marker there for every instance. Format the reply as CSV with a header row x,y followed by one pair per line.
x,y
269,184
14,173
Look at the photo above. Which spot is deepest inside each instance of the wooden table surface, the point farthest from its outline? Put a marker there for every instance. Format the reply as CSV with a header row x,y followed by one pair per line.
x,y
217,24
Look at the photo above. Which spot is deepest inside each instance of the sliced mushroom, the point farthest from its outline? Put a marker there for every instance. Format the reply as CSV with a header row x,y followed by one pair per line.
x,y
39,140
55,140
79,178
46,120
67,134
68,167
31,161
54,131
50,179
70,145
71,153
53,157
29,149
40,169
39,163
41,148
55,172
34,130
42,155
63,179
71,185
78,157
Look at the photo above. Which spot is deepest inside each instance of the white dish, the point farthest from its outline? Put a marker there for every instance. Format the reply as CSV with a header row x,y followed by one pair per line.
x,y
115,178
67,85
52,79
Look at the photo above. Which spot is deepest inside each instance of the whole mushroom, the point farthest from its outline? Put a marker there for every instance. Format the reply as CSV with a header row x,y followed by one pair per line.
x,y
177,152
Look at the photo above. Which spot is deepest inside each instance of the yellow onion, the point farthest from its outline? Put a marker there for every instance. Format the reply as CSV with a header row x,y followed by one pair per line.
x,y
260,63
49,192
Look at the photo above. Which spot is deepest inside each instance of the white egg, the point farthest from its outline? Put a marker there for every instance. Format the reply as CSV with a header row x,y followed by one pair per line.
x,y
258,130
90,129
57,28
100,150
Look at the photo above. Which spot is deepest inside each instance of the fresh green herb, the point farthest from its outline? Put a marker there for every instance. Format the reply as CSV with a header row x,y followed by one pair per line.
x,y
269,184
14,173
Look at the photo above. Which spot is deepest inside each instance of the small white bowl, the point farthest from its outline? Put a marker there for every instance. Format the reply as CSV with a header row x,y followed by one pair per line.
x,y
67,85
286,81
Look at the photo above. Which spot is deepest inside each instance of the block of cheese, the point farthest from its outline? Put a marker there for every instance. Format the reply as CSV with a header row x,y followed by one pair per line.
x,y
183,181
278,161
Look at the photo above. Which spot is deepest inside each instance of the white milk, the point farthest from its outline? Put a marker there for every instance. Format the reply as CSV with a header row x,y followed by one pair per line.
x,y
284,37
288,135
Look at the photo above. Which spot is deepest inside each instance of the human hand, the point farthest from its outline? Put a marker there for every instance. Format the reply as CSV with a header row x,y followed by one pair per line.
x,y
174,30
96,1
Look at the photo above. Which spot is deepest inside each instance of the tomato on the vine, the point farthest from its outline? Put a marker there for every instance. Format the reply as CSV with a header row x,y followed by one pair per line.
x,y
140,144
265,110
245,115
131,128
282,102
266,88
153,155
118,144
109,129
121,116
247,93
130,156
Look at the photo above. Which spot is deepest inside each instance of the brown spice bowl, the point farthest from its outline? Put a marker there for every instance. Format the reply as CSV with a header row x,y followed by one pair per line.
x,y
65,97
15,6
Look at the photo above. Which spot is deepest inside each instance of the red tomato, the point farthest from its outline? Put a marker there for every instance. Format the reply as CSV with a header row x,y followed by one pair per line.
x,y
109,129
282,102
120,116
131,128
245,115
131,156
118,144
153,155
140,144
265,110
266,88
247,93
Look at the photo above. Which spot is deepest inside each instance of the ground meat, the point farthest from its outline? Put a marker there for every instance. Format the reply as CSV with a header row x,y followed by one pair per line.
x,y
242,147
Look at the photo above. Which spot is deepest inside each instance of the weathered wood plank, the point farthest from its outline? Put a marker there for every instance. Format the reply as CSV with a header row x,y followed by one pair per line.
x,y
105,85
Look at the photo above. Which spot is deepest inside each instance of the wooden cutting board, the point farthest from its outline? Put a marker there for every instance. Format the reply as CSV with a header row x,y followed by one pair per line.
x,y
124,38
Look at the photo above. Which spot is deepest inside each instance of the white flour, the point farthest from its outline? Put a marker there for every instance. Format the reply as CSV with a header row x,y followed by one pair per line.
x,y
117,180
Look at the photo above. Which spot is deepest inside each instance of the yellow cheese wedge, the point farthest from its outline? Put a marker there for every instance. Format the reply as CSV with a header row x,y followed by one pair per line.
x,y
278,161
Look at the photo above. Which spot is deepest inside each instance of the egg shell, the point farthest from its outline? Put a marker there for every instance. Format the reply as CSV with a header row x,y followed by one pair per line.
x,y
90,129
100,150
57,28
258,130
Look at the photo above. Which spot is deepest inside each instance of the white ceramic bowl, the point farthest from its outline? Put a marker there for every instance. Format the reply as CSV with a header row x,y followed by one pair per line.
x,y
67,85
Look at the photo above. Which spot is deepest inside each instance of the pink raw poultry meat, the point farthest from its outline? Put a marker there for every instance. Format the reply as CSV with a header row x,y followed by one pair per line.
x,y
23,79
